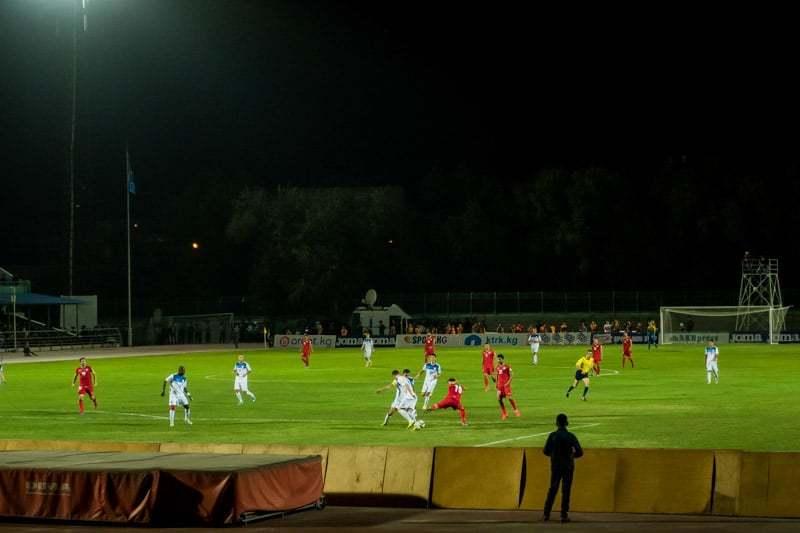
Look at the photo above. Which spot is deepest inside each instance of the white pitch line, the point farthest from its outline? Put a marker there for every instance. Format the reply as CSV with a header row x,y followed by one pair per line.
x,y
534,435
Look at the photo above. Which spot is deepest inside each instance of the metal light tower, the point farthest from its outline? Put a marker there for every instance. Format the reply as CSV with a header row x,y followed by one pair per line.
x,y
760,286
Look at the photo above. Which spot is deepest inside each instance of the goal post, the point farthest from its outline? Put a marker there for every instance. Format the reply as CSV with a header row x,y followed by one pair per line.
x,y
722,324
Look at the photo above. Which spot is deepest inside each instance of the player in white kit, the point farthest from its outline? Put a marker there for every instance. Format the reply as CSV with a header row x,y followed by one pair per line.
x,y
241,370
367,346
712,355
405,400
178,395
534,339
432,371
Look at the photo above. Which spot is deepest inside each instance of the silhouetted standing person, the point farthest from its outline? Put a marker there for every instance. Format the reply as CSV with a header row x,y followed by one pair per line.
x,y
562,448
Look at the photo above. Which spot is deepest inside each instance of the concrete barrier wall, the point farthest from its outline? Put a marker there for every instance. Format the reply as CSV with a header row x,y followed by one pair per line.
x,y
663,481
723,482
593,484
770,485
477,478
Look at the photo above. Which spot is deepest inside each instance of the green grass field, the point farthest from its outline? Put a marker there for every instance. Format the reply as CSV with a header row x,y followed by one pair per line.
x,y
663,403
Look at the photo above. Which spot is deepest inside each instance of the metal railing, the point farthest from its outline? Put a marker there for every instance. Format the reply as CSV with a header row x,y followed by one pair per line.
x,y
58,340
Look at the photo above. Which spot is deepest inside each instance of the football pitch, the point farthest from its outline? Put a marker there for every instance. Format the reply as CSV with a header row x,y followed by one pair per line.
x,y
662,403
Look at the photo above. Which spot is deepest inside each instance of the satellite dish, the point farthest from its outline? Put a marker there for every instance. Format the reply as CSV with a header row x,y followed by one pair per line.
x,y
371,297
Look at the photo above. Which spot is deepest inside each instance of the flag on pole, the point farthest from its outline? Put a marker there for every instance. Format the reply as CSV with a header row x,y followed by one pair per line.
x,y
129,172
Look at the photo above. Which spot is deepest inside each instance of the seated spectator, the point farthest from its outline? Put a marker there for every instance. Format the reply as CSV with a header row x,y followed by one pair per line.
x,y
616,326
563,327
500,328
344,332
543,328
593,326
607,327
553,329
582,327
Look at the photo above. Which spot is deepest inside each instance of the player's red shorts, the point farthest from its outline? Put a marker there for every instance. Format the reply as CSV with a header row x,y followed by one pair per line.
x,y
86,389
504,390
597,358
488,370
627,354
448,403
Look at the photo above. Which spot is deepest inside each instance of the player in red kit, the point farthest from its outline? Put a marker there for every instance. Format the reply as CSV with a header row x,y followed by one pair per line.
x,y
453,400
488,365
627,347
430,346
307,349
503,377
597,355
87,383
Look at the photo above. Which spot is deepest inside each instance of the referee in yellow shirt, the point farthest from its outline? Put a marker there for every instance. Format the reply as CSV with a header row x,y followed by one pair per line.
x,y
583,366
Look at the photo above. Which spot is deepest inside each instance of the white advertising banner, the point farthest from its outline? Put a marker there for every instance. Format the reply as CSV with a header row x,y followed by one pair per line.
x,y
506,339
296,341
699,337
442,341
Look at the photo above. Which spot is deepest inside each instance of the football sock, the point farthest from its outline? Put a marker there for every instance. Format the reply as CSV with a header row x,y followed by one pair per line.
x,y
386,418
80,402
632,365
513,404
252,396
485,381
171,416
503,407
708,380
239,396
94,402
425,403
463,414
406,415
585,391
535,359
186,414
570,388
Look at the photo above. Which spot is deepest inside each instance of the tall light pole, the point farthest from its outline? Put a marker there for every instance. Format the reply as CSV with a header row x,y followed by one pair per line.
x,y
72,146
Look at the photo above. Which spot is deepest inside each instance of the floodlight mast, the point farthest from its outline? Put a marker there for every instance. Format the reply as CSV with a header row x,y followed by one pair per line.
x,y
760,286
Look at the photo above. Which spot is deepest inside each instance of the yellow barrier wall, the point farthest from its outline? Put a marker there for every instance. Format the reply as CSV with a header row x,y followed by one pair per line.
x,y
770,485
663,481
355,470
477,478
592,486
727,480
192,447
408,472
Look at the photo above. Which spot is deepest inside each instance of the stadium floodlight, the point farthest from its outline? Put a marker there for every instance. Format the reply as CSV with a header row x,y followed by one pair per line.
x,y
721,324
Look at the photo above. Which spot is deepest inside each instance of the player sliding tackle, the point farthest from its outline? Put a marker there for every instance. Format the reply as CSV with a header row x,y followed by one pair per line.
x,y
405,400
178,395
453,400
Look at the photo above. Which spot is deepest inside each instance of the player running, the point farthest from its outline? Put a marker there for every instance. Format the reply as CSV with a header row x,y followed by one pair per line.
x,y
307,349
597,355
584,365
503,377
712,355
534,339
453,400
627,347
432,371
178,395
367,346
241,370
405,400
88,381
488,365
430,346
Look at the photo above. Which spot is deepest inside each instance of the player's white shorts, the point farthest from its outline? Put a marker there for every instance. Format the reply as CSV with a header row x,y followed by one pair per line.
x,y
240,383
178,399
429,385
535,348
712,367
367,354
405,402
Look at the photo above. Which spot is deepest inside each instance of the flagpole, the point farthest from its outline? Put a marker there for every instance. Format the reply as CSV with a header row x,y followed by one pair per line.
x,y
128,228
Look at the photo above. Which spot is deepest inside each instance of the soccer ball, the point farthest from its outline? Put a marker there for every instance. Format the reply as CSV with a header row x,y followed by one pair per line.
x,y
419,424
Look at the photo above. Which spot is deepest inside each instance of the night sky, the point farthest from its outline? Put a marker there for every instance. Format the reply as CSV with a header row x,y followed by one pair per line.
x,y
216,96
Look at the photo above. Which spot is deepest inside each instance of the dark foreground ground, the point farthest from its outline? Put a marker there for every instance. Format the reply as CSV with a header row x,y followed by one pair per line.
x,y
417,520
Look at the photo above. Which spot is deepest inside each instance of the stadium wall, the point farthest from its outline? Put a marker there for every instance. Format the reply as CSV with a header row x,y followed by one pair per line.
x,y
665,481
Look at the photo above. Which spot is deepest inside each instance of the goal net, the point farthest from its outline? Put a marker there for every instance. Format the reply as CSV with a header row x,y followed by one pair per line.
x,y
722,324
